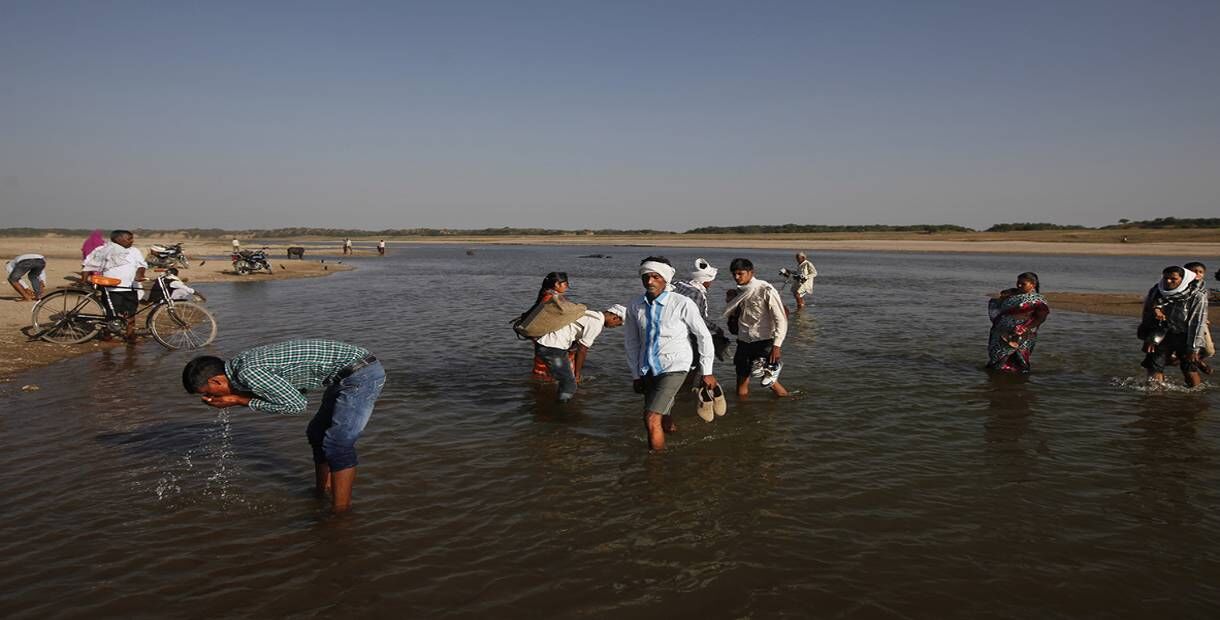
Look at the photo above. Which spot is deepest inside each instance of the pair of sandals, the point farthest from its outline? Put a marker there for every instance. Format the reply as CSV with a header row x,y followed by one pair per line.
x,y
710,403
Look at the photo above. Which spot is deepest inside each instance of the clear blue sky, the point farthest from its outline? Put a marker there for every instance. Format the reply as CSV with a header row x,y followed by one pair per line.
x,y
606,115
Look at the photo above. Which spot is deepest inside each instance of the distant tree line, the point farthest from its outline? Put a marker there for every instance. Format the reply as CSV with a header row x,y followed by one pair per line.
x,y
280,233
1169,222
1032,226
761,229
753,229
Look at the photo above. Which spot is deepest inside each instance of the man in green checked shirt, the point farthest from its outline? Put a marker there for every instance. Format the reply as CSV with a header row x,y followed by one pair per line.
x,y
273,379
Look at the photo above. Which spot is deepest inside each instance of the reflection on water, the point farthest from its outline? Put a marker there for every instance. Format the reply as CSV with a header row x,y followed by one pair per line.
x,y
901,481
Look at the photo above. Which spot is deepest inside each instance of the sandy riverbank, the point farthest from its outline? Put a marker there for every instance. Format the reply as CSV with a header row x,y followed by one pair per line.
x,y
1115,304
17,353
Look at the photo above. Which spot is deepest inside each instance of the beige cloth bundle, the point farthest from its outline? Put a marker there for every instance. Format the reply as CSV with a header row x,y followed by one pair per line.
x,y
548,316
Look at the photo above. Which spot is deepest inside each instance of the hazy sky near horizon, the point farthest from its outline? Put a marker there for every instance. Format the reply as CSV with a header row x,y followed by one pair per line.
x,y
666,115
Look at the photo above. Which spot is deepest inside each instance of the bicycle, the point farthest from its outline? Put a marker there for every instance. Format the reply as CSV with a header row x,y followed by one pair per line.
x,y
75,315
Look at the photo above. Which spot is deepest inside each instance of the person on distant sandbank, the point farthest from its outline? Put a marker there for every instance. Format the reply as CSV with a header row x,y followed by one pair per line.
x,y
347,246
31,267
1015,316
273,379
659,355
381,247
1175,313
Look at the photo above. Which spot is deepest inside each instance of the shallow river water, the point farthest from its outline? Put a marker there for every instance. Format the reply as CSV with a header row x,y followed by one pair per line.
x,y
899,481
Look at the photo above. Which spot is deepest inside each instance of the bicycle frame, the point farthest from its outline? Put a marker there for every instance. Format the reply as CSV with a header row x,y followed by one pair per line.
x,y
101,294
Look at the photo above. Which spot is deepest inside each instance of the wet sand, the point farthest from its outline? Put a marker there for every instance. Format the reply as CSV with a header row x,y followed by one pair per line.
x,y
1115,304
209,263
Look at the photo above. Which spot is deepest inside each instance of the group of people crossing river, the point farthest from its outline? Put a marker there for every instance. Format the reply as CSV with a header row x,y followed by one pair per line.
x,y
1173,324
671,342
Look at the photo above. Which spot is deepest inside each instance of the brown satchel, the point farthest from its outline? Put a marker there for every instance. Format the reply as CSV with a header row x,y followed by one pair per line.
x,y
547,317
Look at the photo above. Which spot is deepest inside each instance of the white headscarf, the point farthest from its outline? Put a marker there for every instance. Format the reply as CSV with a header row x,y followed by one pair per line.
x,y
661,269
1188,276
618,310
704,271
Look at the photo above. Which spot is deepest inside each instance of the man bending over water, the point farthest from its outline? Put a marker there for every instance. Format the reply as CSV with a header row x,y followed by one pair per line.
x,y
273,379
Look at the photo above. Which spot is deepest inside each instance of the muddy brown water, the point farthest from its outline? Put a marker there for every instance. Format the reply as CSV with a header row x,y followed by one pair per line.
x,y
900,481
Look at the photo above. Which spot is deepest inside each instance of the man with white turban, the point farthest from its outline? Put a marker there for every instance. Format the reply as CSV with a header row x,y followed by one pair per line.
x,y
696,286
658,326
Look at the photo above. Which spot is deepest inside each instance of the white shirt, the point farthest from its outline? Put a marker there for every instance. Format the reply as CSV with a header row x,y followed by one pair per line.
x,y
11,265
656,335
381,244
115,261
178,290
762,316
586,329
236,244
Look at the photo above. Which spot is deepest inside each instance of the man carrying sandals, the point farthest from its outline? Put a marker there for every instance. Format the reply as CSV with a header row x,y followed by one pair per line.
x,y
657,327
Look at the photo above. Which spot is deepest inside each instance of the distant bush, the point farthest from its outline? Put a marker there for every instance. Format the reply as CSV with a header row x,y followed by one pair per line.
x,y
280,233
762,229
1170,222
1033,226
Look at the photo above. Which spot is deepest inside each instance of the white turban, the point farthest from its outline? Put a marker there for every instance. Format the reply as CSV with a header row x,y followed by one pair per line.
x,y
661,269
618,310
704,271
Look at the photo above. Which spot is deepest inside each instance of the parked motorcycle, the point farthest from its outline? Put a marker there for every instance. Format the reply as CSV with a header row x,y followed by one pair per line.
x,y
249,261
164,257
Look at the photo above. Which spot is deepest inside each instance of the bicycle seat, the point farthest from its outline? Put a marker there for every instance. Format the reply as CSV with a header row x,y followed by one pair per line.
x,y
104,281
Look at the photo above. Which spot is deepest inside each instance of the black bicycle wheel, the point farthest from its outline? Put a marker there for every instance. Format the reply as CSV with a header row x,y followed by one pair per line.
x,y
185,325
58,317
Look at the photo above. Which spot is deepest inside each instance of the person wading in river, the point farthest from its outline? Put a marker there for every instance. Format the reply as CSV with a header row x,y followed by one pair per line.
x,y
659,354
273,378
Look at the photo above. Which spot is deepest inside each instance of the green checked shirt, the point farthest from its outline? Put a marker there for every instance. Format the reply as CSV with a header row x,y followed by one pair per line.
x,y
277,374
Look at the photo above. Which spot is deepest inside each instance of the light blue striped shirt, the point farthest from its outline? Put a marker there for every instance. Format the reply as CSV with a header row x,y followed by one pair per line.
x,y
656,335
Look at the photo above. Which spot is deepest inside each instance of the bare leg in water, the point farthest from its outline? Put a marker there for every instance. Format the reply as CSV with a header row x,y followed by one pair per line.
x,y
338,484
656,436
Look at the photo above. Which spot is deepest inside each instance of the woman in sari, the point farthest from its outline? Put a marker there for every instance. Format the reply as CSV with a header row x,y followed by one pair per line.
x,y
554,285
1015,317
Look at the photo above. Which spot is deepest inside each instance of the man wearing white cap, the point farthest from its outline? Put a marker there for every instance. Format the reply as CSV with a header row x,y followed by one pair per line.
x,y
696,288
553,348
658,325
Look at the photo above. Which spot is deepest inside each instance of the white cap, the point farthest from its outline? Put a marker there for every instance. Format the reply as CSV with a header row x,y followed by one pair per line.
x,y
618,310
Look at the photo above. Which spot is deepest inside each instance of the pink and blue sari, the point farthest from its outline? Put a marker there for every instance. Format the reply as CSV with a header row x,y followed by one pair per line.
x,y
1014,330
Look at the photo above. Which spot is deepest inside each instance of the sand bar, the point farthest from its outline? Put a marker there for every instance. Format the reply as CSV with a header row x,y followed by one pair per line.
x,y
17,353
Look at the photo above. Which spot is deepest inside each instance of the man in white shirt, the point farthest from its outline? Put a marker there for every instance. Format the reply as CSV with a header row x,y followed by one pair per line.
x,y
658,326
119,260
236,245
30,266
762,325
553,348
381,247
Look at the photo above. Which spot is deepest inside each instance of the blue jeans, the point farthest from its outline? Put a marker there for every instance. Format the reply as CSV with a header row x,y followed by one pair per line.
x,y
561,368
345,410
